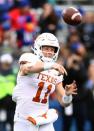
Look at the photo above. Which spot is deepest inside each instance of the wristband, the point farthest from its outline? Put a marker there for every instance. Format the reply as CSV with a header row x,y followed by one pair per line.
x,y
48,65
67,99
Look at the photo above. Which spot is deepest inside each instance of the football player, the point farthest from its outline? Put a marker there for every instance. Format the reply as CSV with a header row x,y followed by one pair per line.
x,y
39,75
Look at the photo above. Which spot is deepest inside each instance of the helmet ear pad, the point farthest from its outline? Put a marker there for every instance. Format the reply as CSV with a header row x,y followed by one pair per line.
x,y
46,39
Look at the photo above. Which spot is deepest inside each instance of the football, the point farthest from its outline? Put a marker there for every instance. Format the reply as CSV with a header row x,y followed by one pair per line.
x,y
72,16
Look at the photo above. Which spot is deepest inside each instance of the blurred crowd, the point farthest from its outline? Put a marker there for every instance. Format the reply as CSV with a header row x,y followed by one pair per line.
x,y
20,23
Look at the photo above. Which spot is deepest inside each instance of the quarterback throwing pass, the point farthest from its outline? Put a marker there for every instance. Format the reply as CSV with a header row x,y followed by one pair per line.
x,y
39,75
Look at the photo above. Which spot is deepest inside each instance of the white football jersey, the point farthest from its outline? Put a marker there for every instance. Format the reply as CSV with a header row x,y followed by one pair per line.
x,y
32,91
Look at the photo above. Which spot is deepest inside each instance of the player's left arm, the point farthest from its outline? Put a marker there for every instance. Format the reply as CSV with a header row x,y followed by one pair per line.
x,y
64,95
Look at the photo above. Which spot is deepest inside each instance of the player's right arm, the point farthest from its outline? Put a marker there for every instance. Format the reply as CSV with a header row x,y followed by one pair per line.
x,y
29,63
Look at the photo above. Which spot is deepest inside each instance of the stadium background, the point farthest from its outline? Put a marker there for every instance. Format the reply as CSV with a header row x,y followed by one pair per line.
x,y
20,23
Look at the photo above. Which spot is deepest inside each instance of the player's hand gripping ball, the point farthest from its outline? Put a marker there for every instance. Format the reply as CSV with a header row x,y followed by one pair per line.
x,y
72,16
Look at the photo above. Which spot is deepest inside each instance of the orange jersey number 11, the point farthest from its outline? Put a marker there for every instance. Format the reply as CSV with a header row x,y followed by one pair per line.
x,y
40,88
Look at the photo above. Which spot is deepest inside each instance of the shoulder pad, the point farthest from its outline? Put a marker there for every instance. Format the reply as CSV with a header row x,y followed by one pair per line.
x,y
27,57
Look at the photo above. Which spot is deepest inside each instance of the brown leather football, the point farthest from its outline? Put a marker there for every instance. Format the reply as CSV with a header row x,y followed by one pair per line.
x,y
71,16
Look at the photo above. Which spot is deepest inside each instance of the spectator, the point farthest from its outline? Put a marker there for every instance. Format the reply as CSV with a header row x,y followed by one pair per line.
x,y
89,86
48,20
76,70
86,31
7,82
8,35
19,17
26,34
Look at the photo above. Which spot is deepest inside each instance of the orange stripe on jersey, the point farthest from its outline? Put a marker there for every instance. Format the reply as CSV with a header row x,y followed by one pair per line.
x,y
31,119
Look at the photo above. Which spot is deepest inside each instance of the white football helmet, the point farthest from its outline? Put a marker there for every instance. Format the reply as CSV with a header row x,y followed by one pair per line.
x,y
46,39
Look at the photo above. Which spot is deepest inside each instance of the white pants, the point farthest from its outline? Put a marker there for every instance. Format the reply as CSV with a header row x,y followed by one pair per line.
x,y
21,126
